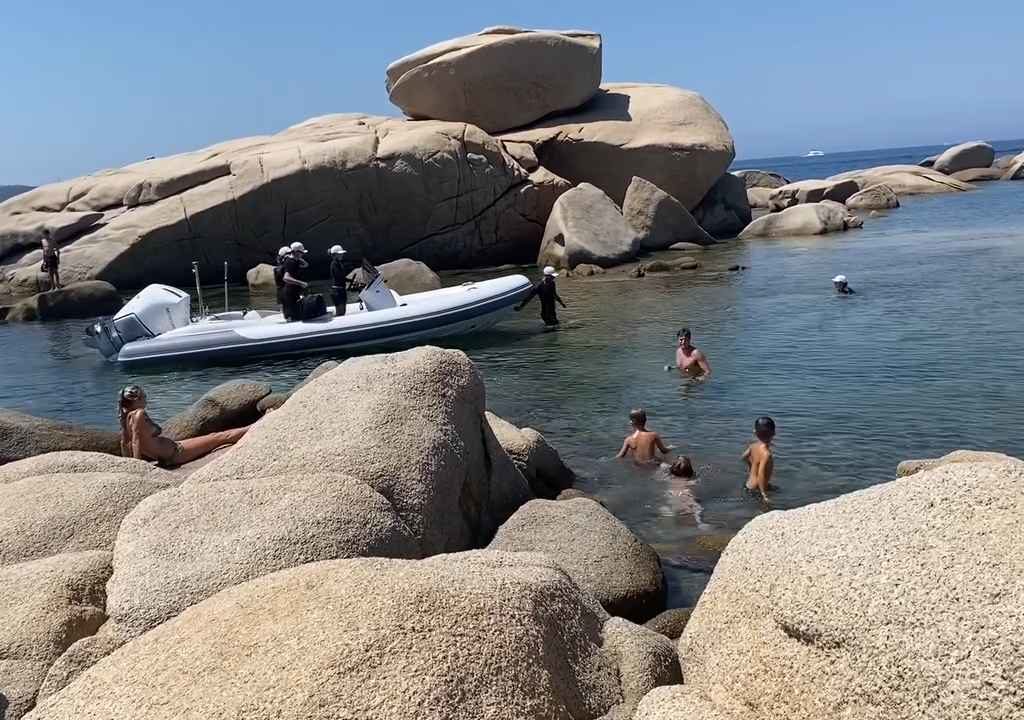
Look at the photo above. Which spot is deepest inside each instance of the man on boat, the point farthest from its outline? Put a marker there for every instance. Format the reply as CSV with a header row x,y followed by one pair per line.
x,y
340,268
548,294
689,359
282,253
842,286
294,271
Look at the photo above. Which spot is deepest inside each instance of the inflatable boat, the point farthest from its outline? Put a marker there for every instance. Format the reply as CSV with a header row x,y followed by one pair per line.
x,y
157,326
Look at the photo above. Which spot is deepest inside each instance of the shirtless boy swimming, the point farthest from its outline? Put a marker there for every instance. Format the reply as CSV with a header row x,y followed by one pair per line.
x,y
689,359
759,459
642,444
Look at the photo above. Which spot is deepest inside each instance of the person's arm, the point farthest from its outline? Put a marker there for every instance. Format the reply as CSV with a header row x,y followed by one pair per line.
x,y
761,477
702,363
141,435
661,445
560,300
528,298
746,456
290,280
625,449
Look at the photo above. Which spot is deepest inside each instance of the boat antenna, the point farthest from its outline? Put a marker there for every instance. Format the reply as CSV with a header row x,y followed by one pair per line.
x,y
199,289
225,286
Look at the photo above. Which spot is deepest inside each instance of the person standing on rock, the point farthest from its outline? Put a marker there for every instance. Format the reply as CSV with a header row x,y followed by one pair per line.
x,y
294,271
841,285
689,359
548,294
340,268
51,259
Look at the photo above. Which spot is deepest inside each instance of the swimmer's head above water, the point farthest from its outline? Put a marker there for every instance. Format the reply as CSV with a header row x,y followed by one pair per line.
x,y
683,337
638,418
764,428
682,467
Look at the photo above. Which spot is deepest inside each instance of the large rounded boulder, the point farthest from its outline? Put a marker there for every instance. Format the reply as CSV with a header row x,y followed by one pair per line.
x,y
812,191
539,463
87,299
876,197
586,227
471,635
498,78
902,600
905,179
810,219
600,553
229,405
404,276
24,436
666,135
964,157
659,219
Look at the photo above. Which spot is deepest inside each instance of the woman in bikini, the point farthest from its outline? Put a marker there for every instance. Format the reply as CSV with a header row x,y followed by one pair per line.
x,y
143,439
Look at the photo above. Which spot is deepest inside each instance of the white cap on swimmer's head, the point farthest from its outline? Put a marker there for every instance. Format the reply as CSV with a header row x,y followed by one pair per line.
x,y
550,271
337,250
298,247
839,279
283,250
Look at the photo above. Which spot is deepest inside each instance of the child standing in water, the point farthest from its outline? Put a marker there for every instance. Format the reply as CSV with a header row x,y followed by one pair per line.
x,y
759,459
642,443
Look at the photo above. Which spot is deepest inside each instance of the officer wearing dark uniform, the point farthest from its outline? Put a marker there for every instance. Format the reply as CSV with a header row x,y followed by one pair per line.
x,y
340,268
545,289
294,281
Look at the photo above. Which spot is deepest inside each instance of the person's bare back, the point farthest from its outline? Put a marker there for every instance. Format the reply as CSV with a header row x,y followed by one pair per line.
x,y
642,444
760,459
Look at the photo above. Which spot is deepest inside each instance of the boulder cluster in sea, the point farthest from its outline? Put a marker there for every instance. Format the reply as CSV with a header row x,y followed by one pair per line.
x,y
408,558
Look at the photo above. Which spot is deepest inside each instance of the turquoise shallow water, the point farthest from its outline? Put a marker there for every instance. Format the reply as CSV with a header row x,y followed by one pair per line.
x,y
924,359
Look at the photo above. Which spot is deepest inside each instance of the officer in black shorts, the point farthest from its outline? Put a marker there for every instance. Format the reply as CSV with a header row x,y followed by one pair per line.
x,y
295,267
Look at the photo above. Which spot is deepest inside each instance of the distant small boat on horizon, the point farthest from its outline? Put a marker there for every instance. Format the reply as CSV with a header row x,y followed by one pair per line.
x,y
814,153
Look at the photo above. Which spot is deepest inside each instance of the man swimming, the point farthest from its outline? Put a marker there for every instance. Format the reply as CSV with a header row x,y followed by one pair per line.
x,y
842,285
689,359
759,458
642,444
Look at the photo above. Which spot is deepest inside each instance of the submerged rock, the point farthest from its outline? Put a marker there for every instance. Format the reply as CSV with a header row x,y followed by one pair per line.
x,y
586,227
24,436
498,78
403,636
78,300
808,219
668,136
659,219
666,266
600,554
965,156
818,612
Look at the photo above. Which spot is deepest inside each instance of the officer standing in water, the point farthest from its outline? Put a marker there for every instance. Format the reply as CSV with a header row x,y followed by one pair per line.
x,y
340,268
548,294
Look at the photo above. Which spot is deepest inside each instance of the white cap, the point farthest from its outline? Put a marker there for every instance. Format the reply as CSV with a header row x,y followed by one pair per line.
x,y
550,271
839,279
337,250
283,250
298,247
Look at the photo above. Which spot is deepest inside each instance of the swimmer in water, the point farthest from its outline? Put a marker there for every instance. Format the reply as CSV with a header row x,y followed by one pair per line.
x,y
689,359
759,458
842,286
642,444
681,481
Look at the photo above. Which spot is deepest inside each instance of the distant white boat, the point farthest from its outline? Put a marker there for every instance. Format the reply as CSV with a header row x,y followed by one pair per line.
x,y
814,153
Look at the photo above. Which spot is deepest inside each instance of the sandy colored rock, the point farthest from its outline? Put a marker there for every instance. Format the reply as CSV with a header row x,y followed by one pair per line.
x,y
679,702
174,181
465,202
876,197
724,211
451,484
23,231
472,635
1004,161
76,461
404,276
978,174
229,405
761,179
658,218
666,135
905,179
895,601
498,78
670,623
808,219
55,514
277,399
965,156
261,278
668,266
24,436
759,197
585,226
78,658
929,161
45,606
811,191
600,553
1015,171
909,467
539,463
88,299
585,270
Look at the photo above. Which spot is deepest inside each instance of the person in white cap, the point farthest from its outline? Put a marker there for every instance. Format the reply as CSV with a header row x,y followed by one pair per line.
x,y
340,269
282,253
294,272
842,287
545,289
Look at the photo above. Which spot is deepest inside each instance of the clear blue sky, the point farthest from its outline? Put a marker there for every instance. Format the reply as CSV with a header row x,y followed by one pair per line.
x,y
89,85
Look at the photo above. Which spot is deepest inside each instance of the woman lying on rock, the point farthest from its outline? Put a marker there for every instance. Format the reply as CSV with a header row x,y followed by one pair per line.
x,y
143,439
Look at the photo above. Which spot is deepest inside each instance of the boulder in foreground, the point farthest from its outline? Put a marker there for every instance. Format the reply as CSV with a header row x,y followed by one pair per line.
x,y
898,601
534,457
471,635
964,157
88,299
76,461
668,136
658,218
24,436
909,467
498,78
229,405
586,227
809,219
600,553
876,197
